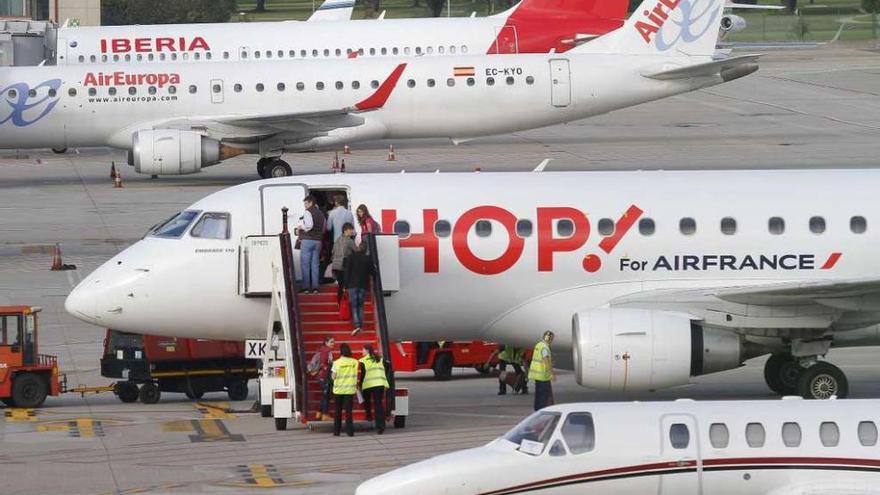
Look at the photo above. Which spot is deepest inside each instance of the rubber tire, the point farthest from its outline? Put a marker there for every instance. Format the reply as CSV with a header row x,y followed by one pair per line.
x,y
280,424
442,366
149,393
278,168
194,394
59,151
126,391
8,401
266,411
399,421
781,373
29,390
811,378
238,390
261,166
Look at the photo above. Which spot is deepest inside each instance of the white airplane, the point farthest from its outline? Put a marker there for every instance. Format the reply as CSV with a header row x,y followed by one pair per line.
x,y
647,278
786,447
179,118
532,26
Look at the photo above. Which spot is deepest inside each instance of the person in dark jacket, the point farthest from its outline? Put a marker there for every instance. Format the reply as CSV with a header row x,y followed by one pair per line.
x,y
357,268
342,248
310,231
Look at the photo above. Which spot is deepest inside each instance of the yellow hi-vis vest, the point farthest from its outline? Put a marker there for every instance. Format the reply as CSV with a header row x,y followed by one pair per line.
x,y
346,371
374,373
537,371
511,355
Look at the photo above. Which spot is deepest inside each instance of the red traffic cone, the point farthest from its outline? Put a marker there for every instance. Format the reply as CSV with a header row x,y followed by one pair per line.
x,y
57,264
346,150
112,170
391,156
117,180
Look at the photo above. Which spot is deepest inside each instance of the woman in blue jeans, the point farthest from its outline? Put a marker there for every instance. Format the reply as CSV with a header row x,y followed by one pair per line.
x,y
357,268
310,231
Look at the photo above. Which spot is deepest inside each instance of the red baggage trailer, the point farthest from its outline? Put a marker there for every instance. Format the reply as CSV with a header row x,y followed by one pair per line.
x,y
441,357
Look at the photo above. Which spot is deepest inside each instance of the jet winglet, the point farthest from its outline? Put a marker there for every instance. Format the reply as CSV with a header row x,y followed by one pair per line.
x,y
729,69
378,99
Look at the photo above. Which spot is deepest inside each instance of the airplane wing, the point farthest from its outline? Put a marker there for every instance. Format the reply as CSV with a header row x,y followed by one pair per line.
x,y
739,66
333,10
304,123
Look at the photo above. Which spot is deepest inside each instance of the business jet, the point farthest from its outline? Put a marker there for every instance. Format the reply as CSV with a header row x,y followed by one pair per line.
x,y
179,118
647,278
532,26
788,447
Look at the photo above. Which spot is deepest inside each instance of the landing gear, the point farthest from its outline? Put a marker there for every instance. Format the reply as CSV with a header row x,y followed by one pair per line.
x,y
781,373
270,168
59,151
822,381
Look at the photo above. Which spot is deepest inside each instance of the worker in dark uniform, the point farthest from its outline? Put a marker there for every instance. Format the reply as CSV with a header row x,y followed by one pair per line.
x,y
373,384
345,373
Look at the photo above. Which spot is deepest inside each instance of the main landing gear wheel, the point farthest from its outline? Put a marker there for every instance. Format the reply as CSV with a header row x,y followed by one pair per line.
x,y
822,381
270,168
261,166
59,151
781,373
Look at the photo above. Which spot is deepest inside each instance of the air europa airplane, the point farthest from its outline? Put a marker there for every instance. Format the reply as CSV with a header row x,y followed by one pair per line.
x,y
785,447
179,118
647,278
532,26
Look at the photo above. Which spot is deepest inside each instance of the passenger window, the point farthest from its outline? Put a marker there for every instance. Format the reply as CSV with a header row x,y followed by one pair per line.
x,y
384,51
355,85
406,50
173,56
483,228
196,55
151,90
530,80
401,228
411,83
281,86
280,53
82,59
111,91
12,93
687,226
557,450
755,435
470,81
104,58
452,49
867,433
728,226
564,228
719,435
212,226
132,90
431,83
314,53
374,84
193,89
260,87
679,436
161,57
93,58
71,91
93,91
291,54
225,55
817,225
172,90
776,225
319,86
339,85
858,225
464,49
237,88
209,55
441,50
442,228
429,50
244,55
175,226
303,53
579,432
490,81
184,56
394,50
418,50
52,93
128,57
116,58
450,82
524,228
509,80
791,434
300,86
216,88
606,226
32,93
646,226
829,434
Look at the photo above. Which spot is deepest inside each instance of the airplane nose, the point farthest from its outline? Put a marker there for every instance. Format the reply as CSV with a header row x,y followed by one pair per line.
x,y
82,303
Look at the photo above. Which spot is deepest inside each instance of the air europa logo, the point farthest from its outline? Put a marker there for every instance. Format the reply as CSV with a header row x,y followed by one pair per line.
x,y
28,105
120,78
671,21
548,242
145,45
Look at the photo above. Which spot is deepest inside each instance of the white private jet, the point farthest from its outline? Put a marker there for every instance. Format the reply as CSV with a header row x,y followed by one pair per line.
x,y
532,26
179,118
786,447
647,278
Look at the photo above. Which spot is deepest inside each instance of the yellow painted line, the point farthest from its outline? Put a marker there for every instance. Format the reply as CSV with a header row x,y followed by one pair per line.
x,y
214,410
181,426
212,429
260,474
19,415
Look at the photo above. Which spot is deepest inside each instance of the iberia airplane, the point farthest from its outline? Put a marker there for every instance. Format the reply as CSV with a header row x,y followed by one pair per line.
x,y
786,447
647,278
179,118
532,26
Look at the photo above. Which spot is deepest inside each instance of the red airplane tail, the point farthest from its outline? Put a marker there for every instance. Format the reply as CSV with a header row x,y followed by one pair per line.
x,y
539,26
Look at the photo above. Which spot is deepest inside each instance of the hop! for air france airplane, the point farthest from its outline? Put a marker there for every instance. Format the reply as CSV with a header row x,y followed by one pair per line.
x,y
647,278
785,447
178,118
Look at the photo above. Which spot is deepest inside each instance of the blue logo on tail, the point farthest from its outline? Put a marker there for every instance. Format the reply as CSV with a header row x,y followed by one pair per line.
x,y
21,99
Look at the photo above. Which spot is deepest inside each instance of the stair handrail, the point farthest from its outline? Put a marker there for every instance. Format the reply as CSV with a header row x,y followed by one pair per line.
x,y
381,317
293,316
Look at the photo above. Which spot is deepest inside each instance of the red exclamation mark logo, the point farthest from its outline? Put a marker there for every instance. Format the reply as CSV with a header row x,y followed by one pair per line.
x,y
592,262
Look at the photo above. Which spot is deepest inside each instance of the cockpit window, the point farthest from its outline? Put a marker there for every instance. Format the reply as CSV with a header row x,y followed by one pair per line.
x,y
579,432
212,225
175,226
534,432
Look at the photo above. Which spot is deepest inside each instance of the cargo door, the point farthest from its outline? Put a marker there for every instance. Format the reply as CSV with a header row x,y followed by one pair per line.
x,y
273,197
505,40
681,449
216,91
560,83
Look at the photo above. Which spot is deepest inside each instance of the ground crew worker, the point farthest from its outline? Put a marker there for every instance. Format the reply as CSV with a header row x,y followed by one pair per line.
x,y
374,383
541,371
345,370
515,357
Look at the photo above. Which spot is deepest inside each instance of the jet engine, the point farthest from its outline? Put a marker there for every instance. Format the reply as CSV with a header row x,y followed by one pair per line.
x,y
172,152
627,349
731,23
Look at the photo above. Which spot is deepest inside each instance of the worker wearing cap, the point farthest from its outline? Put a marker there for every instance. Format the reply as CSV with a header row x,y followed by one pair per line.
x,y
345,373
541,371
515,357
374,383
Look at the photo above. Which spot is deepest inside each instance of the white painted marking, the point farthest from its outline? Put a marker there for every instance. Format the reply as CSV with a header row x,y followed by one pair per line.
x,y
541,166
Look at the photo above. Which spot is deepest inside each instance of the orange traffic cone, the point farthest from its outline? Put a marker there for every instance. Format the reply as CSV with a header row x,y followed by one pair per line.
x,y
112,170
346,150
117,180
391,156
478,169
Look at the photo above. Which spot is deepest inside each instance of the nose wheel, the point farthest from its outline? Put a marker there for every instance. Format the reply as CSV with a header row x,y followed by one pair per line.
x,y
270,168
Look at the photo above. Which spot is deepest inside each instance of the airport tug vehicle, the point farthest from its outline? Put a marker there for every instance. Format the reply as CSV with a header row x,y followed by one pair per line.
x,y
26,376
297,325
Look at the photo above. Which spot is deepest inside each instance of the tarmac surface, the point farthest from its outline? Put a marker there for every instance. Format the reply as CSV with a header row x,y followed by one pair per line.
x,y
805,108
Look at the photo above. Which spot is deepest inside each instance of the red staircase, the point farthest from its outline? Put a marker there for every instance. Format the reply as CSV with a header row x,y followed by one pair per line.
x,y
319,314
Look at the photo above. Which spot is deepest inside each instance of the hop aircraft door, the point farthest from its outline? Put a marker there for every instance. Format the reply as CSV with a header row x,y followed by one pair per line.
x,y
681,447
273,197
560,83
216,91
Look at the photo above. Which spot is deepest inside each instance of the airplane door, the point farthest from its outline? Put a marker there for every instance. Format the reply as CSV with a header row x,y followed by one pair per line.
x,y
273,197
505,40
216,91
61,51
560,79
681,447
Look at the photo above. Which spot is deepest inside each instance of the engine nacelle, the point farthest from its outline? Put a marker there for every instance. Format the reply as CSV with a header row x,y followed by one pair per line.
x,y
627,349
731,23
172,152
